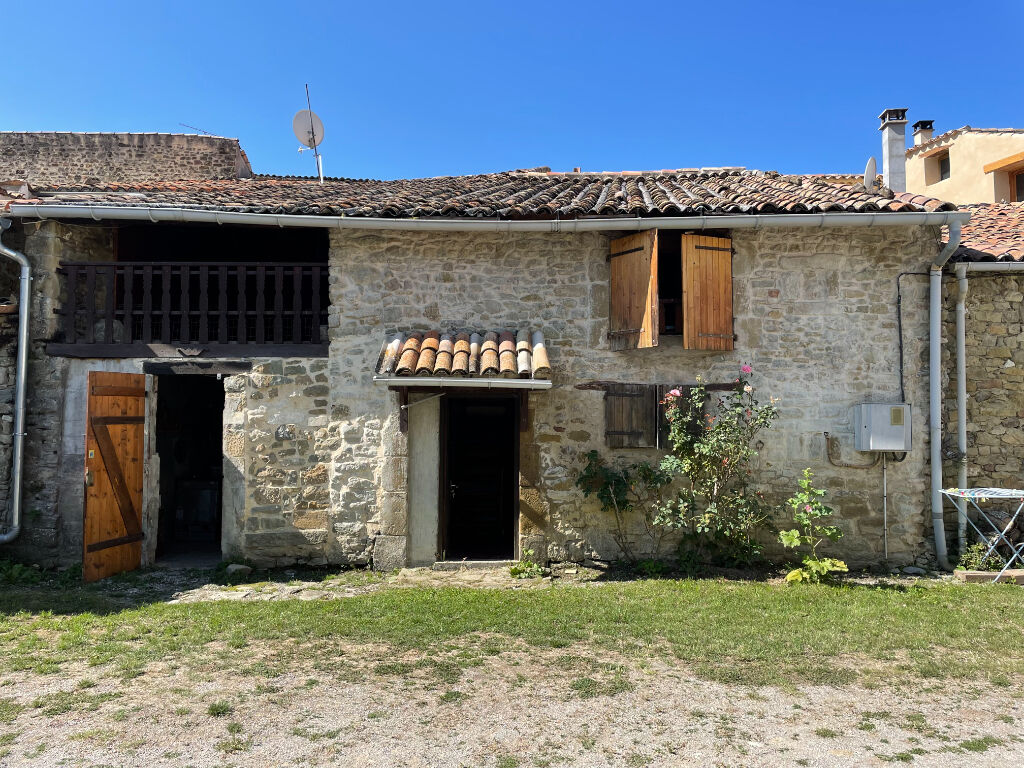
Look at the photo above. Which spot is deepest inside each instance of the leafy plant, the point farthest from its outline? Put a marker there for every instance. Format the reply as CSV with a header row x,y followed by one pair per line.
x,y
710,454
526,567
651,568
973,559
623,490
808,512
219,709
18,574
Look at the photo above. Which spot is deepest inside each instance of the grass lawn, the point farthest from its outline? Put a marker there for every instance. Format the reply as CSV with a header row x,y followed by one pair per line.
x,y
738,632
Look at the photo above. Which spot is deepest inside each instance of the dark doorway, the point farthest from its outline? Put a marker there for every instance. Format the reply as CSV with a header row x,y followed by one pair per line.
x,y
480,478
189,417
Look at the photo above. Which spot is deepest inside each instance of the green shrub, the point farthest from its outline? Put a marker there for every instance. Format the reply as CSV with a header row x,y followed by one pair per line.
x,y
973,559
625,491
710,456
526,567
18,574
808,511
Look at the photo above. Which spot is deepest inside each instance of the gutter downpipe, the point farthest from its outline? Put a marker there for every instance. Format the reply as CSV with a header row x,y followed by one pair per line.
x,y
935,389
20,383
961,401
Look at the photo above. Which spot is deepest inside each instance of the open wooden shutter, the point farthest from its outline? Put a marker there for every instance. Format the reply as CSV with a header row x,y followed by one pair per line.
x,y
631,415
707,292
633,316
114,458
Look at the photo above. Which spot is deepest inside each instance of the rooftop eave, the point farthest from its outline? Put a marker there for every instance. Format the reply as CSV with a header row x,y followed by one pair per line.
x,y
586,224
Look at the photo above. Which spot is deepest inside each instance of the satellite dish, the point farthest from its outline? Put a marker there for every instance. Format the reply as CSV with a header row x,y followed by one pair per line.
x,y
870,174
308,128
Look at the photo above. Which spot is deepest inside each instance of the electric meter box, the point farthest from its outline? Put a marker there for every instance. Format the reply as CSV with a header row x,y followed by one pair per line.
x,y
882,427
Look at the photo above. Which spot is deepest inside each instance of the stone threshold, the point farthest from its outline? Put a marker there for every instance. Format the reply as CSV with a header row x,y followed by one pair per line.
x,y
458,565
1015,575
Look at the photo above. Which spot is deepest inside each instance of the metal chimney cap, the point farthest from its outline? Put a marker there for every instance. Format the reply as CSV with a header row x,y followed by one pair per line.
x,y
893,116
923,125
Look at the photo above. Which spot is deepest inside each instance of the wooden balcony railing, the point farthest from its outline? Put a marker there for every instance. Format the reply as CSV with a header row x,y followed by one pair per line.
x,y
144,309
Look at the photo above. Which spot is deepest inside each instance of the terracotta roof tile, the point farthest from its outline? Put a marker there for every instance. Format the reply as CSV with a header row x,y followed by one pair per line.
x,y
510,195
994,233
484,354
935,140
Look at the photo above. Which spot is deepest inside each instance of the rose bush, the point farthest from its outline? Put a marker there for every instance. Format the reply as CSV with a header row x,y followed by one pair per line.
x,y
711,447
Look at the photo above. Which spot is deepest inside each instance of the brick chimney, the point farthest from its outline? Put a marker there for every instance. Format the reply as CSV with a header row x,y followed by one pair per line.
x,y
923,131
894,149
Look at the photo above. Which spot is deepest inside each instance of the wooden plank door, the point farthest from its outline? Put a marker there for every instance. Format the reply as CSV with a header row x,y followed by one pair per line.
x,y
114,461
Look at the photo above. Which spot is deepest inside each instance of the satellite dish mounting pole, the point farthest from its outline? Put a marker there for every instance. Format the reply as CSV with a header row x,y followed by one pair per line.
x,y
312,133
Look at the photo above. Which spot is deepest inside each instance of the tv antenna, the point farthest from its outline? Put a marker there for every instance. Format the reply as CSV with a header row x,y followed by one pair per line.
x,y
309,130
200,130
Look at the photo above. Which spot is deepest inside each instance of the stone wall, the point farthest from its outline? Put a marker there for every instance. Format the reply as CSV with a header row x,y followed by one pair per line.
x,y
815,314
101,158
281,440
51,518
316,469
994,336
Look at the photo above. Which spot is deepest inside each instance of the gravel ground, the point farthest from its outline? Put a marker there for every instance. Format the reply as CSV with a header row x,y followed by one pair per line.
x,y
515,706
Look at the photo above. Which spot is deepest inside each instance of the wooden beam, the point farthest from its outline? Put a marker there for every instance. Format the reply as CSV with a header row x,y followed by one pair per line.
x,y
1011,163
208,367
140,349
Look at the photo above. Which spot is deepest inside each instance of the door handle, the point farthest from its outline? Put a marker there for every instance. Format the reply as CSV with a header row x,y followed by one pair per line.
x,y
452,488
90,478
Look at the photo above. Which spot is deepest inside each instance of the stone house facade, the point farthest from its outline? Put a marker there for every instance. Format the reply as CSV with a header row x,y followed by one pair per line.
x,y
322,458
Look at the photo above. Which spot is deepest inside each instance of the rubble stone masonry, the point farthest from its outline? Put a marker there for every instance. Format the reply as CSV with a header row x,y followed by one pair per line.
x,y
994,336
815,317
103,158
317,470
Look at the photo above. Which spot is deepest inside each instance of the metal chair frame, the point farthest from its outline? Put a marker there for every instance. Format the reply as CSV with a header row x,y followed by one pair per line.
x,y
973,496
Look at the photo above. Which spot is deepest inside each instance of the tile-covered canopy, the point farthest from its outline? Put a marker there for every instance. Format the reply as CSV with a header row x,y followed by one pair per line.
x,y
502,354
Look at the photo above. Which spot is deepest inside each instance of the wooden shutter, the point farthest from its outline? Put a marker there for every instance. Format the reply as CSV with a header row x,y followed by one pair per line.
x,y
631,415
114,446
633,286
707,292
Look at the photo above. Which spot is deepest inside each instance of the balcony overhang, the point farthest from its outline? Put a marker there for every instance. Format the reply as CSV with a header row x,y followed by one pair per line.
x,y
1012,163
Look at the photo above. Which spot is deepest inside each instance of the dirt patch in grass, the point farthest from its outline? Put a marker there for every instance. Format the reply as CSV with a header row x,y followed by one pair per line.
x,y
589,672
461,706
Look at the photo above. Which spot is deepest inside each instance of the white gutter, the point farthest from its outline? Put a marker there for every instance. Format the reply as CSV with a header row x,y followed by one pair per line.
x,y
20,386
992,266
593,224
449,381
935,388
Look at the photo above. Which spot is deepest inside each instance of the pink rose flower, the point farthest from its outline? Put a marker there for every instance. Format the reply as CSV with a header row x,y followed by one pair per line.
x,y
746,368
807,507
676,393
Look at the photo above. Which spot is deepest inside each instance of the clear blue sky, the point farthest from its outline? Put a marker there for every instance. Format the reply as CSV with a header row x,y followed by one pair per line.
x,y
428,88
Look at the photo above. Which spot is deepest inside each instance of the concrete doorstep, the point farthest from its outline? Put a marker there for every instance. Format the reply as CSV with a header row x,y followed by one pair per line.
x,y
458,565
1014,575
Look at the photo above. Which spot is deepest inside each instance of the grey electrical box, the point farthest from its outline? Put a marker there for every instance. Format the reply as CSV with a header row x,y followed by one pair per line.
x,y
882,427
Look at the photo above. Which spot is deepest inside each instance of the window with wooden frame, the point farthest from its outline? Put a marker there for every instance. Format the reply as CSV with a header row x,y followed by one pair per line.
x,y
635,418
1017,187
671,284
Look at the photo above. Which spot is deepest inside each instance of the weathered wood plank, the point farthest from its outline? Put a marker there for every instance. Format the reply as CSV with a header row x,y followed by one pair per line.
x,y
633,291
112,524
